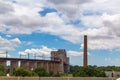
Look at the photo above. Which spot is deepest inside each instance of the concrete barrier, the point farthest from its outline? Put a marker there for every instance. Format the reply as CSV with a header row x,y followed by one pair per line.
x,y
55,78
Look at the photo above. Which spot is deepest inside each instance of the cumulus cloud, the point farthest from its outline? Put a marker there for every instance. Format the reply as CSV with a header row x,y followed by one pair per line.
x,y
112,22
100,23
108,43
5,8
69,7
44,50
22,53
103,6
106,34
11,44
69,1
21,20
74,53
3,54
57,27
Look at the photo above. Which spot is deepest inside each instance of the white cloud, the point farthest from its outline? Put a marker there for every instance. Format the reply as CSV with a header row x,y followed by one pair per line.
x,y
16,41
69,7
106,35
103,6
5,8
113,22
11,44
21,20
57,26
44,50
101,25
22,53
100,35
74,53
4,55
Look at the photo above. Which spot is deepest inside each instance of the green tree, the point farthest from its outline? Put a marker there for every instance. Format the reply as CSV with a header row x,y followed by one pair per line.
x,y
2,70
89,71
41,72
22,72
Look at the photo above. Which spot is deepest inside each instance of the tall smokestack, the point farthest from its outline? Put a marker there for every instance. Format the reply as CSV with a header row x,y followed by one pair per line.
x,y
85,63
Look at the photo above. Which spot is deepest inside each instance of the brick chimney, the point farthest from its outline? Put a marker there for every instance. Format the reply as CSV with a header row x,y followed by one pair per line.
x,y
85,59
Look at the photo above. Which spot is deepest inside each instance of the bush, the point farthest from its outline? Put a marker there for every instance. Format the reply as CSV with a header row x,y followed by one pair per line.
x,y
41,72
2,70
2,73
89,71
22,72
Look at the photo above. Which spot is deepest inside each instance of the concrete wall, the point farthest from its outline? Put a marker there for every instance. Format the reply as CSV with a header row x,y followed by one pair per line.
x,y
13,66
61,55
54,78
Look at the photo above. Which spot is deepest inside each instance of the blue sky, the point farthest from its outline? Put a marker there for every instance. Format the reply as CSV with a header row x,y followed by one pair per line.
x,y
38,27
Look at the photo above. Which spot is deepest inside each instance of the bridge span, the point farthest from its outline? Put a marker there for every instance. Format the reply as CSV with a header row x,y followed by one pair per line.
x,y
58,63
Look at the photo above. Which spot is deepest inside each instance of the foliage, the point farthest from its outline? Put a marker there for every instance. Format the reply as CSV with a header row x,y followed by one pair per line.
x,y
22,72
2,70
75,71
92,71
41,72
34,74
2,73
89,71
110,68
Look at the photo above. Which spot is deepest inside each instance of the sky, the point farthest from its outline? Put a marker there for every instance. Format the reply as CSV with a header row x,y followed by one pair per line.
x,y
41,26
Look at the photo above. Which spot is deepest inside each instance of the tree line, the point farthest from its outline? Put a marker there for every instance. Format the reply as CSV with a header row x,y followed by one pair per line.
x,y
41,72
75,71
92,71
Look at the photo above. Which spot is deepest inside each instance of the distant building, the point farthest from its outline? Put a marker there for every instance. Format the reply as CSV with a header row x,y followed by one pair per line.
x,y
61,54
109,73
112,74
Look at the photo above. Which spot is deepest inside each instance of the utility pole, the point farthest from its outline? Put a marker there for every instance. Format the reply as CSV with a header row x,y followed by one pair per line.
x,y
28,55
6,54
20,56
34,56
